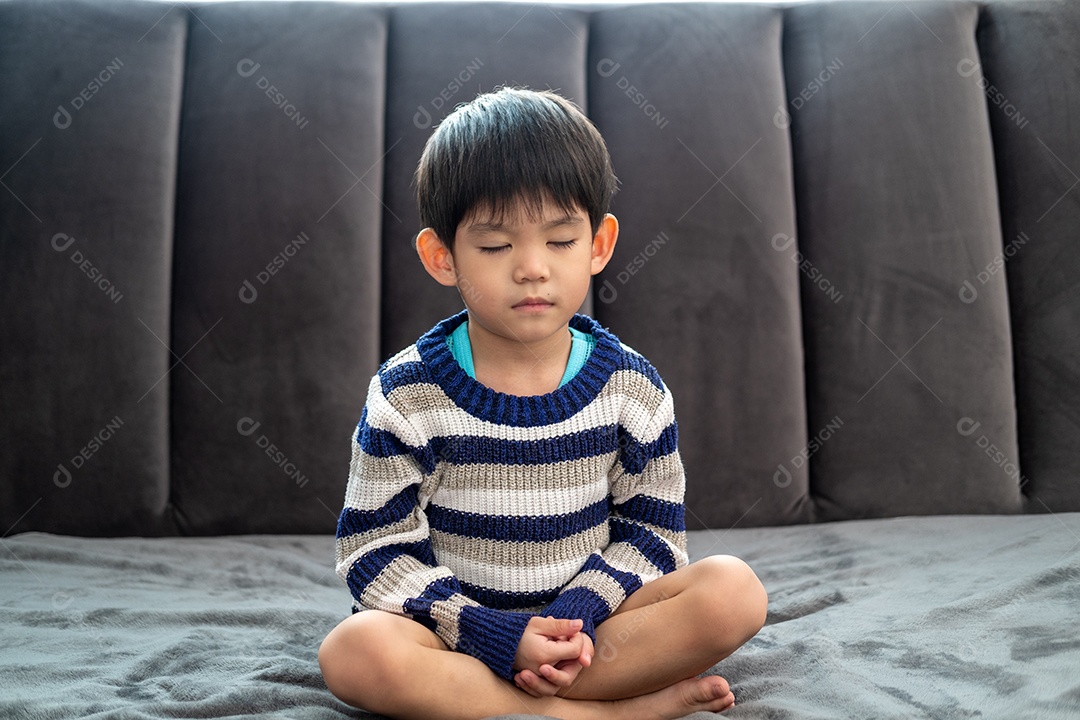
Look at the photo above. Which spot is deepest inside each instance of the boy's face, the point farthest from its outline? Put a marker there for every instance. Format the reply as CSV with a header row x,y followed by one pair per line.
x,y
522,276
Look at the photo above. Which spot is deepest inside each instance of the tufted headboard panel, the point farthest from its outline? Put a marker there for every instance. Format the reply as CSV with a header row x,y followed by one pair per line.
x,y
848,243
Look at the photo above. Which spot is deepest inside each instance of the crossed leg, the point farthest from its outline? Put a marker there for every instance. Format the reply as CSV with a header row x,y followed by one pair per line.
x,y
647,657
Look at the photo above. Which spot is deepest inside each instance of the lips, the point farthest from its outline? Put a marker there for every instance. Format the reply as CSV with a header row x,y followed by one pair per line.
x,y
533,302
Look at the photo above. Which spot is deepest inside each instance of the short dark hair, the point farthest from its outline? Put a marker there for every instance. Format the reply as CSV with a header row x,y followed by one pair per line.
x,y
508,146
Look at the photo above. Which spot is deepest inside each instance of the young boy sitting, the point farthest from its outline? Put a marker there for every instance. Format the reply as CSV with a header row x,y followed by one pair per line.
x,y
513,522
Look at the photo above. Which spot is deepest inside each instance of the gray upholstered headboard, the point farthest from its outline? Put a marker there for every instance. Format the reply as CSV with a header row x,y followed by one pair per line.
x,y
849,244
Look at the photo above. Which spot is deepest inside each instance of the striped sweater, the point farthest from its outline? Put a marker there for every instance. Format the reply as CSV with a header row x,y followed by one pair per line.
x,y
471,510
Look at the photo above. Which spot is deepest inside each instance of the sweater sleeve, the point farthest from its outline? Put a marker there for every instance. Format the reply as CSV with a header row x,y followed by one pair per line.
x,y
647,527
384,551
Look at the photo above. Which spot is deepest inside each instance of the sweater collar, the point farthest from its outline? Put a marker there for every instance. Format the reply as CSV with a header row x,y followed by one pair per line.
x,y
504,409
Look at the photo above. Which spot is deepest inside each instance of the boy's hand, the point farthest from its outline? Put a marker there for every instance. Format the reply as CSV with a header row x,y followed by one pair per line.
x,y
550,655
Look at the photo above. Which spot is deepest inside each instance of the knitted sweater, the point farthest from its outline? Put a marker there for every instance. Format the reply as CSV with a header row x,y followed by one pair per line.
x,y
471,510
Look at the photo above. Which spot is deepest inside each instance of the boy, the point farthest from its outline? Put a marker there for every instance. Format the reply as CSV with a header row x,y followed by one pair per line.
x,y
513,522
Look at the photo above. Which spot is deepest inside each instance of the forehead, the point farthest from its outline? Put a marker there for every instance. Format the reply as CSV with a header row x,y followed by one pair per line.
x,y
520,212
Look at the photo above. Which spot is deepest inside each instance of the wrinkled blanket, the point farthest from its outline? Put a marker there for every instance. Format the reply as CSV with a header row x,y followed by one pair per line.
x,y
945,617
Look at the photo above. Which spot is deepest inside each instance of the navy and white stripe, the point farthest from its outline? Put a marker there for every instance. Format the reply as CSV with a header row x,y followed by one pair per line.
x,y
471,511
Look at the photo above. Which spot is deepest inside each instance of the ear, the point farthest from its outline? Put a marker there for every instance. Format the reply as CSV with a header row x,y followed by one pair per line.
x,y
436,257
603,244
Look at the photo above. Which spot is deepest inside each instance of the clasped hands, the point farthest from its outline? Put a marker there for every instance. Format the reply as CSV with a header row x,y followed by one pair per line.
x,y
550,655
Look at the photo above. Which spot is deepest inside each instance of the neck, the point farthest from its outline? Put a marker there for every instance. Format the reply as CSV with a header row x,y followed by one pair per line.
x,y
518,368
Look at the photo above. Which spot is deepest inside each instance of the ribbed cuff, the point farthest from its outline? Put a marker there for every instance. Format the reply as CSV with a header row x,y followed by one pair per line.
x,y
580,603
492,636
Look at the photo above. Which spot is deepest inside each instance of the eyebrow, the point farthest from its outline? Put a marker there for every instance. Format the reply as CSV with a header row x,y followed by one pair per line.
x,y
491,227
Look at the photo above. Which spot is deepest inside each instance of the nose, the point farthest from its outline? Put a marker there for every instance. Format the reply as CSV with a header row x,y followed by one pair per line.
x,y
531,266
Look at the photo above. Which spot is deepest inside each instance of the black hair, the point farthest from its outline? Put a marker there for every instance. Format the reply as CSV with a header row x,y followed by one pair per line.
x,y
509,146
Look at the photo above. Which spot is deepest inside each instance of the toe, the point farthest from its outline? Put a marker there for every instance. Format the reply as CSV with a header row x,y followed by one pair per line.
x,y
709,693
717,685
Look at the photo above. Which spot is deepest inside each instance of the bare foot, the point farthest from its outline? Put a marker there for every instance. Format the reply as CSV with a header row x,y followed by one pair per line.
x,y
710,694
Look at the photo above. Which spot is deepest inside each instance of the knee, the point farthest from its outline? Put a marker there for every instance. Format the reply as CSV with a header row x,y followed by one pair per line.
x,y
734,597
359,641
338,652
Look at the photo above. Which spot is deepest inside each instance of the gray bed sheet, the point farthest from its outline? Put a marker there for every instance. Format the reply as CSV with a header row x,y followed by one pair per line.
x,y
941,617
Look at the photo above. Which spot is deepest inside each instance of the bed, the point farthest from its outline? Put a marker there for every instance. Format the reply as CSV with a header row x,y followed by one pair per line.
x,y
948,617
848,244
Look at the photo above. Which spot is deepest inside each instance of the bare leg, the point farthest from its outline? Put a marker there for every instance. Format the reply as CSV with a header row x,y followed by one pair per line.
x,y
646,657
674,628
394,666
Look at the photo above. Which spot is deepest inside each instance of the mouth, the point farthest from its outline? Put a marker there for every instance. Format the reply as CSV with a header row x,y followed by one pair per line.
x,y
533,303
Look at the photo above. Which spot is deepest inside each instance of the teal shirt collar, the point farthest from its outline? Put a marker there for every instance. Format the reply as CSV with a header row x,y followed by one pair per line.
x,y
581,344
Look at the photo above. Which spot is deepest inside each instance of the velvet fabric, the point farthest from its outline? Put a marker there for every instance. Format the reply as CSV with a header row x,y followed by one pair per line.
x,y
846,244
935,617
1030,101
897,207
89,122
276,263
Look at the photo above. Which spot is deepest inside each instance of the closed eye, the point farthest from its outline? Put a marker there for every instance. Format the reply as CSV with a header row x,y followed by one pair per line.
x,y
564,244
493,250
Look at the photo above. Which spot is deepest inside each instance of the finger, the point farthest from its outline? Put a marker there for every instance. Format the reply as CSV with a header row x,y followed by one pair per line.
x,y
586,657
583,644
522,682
570,669
536,685
529,690
562,627
586,650
560,676
556,651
